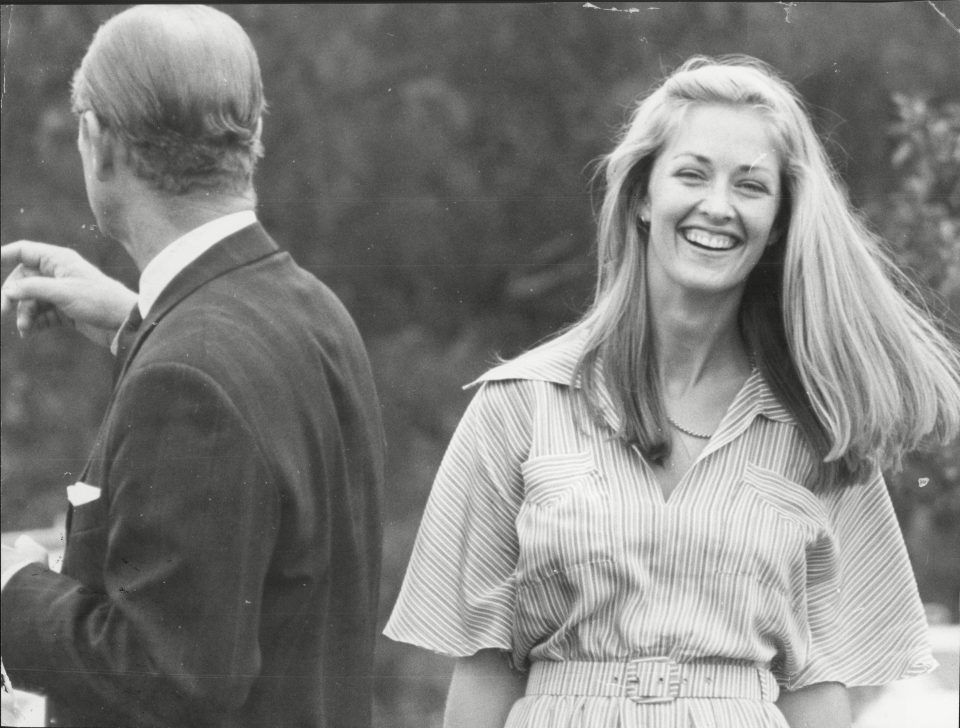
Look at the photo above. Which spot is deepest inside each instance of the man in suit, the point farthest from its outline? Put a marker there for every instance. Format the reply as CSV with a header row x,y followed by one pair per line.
x,y
223,545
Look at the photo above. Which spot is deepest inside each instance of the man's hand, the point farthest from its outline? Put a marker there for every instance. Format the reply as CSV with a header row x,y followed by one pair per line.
x,y
24,551
54,286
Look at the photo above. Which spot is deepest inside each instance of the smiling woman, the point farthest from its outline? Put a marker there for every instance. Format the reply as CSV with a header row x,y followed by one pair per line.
x,y
709,214
710,206
673,513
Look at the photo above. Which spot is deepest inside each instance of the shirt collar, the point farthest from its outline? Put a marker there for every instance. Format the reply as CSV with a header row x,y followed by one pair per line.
x,y
165,266
556,362
759,398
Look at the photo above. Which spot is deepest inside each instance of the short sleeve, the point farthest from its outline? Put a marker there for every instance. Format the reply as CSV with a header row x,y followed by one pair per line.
x,y
458,594
866,624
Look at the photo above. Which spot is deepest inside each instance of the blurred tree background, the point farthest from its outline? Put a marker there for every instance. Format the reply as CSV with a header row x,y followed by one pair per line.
x,y
431,163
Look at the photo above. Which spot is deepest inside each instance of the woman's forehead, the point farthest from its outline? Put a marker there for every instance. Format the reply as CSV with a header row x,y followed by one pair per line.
x,y
739,136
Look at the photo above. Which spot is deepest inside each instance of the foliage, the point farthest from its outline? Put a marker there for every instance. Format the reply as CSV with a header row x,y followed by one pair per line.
x,y
921,219
431,163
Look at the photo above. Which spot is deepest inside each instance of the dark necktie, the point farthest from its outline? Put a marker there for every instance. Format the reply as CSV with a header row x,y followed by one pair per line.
x,y
125,339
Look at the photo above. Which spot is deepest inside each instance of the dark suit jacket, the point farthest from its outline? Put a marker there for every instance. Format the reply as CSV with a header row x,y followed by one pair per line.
x,y
227,575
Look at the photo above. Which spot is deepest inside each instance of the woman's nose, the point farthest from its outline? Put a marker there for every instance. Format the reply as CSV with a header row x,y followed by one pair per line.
x,y
716,203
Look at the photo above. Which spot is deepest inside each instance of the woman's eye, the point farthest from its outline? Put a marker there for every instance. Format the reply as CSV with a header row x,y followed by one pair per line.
x,y
754,187
689,174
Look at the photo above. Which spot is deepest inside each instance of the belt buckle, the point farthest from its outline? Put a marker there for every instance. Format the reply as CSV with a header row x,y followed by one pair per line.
x,y
660,682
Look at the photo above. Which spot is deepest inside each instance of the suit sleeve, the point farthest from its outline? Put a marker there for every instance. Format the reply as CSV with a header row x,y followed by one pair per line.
x,y
192,520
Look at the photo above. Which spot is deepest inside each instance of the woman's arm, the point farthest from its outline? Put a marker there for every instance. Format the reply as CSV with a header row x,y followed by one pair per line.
x,y
483,689
824,705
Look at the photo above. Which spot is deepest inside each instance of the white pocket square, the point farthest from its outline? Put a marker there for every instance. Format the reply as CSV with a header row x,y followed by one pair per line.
x,y
80,493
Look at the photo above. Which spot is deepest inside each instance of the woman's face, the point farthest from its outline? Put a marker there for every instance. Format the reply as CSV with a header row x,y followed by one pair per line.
x,y
711,203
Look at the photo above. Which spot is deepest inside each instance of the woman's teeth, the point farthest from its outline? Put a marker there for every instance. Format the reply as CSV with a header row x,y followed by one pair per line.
x,y
712,241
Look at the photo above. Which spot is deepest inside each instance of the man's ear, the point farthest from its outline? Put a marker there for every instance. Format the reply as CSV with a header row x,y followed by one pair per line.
x,y
98,144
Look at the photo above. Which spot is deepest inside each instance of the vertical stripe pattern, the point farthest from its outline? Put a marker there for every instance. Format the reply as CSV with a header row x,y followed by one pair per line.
x,y
545,536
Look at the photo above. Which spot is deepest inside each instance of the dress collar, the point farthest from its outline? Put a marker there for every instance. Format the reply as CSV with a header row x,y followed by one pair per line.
x,y
556,362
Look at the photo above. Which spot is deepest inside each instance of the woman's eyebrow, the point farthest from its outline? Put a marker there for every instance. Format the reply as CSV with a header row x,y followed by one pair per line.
x,y
757,165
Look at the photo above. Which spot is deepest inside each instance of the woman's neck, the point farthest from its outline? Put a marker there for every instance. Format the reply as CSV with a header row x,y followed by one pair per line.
x,y
698,340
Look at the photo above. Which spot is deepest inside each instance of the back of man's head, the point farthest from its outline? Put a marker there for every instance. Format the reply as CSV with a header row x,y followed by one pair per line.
x,y
180,86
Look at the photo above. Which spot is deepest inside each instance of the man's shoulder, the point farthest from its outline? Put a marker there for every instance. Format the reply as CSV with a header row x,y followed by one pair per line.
x,y
274,293
271,319
277,283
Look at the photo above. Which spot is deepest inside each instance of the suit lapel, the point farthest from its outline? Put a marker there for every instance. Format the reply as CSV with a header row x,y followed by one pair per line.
x,y
235,251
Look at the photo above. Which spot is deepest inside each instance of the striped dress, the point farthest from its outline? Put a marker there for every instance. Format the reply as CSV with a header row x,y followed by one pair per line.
x,y
546,537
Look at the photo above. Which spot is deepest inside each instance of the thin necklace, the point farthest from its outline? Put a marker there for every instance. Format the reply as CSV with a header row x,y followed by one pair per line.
x,y
700,435
685,431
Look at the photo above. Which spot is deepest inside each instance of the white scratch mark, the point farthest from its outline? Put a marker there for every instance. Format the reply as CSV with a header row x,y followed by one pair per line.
x,y
787,7
942,15
6,55
591,6
758,160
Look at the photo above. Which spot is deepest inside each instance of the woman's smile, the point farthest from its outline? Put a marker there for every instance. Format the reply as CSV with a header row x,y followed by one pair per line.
x,y
709,240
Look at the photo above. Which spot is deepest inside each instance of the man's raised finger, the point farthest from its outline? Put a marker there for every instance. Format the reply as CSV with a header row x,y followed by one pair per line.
x,y
38,288
40,256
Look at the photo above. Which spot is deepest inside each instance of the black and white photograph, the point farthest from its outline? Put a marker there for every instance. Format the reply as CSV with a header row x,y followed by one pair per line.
x,y
480,365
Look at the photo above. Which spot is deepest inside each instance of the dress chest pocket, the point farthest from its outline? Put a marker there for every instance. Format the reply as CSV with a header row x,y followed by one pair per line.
x,y
788,501
548,479
785,520
567,518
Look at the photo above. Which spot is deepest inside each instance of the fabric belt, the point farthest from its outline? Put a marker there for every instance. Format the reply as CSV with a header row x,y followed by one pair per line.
x,y
652,680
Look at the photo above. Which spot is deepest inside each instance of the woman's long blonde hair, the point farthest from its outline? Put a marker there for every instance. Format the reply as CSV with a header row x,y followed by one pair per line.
x,y
826,313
